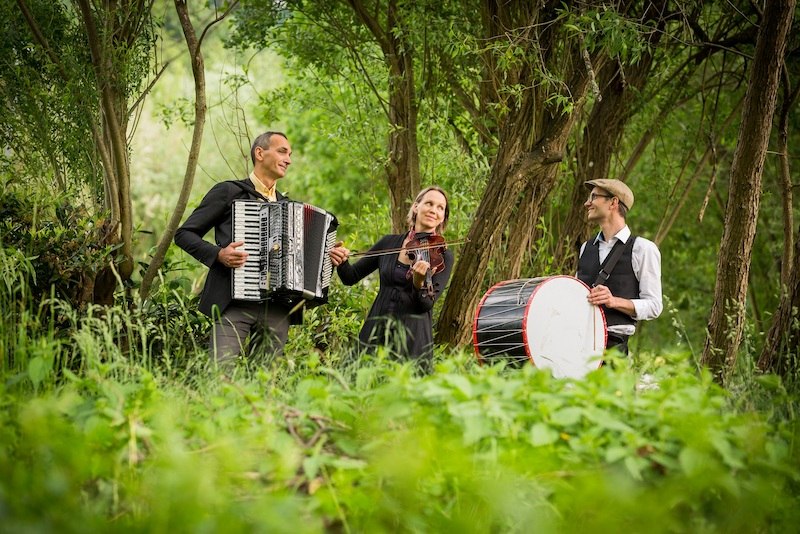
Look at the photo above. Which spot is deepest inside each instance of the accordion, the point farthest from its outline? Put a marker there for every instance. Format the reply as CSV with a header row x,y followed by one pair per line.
x,y
287,244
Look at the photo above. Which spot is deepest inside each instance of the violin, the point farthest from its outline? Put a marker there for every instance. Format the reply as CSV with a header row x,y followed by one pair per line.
x,y
428,248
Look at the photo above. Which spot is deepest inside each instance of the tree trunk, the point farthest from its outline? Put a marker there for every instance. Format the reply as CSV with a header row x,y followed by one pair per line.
x,y
620,86
466,283
517,167
114,120
105,44
727,314
402,168
600,140
522,229
789,99
780,352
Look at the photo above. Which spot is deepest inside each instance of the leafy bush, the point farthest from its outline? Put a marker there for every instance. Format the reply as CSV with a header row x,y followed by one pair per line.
x,y
374,447
63,243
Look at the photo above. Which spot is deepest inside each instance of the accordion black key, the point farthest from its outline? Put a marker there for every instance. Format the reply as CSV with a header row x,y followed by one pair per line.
x,y
287,244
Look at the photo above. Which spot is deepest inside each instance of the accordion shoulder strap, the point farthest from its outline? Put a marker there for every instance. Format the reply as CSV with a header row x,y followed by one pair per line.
x,y
250,190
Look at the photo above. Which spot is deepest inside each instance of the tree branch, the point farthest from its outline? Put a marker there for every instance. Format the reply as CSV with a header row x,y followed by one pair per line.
x,y
198,72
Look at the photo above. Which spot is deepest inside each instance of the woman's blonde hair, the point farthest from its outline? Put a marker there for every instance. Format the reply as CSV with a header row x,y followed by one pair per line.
x,y
411,218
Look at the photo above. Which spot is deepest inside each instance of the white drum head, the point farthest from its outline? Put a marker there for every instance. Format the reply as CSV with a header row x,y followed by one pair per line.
x,y
563,332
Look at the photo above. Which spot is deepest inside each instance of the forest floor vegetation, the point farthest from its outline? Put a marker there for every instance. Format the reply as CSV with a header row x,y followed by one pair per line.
x,y
112,419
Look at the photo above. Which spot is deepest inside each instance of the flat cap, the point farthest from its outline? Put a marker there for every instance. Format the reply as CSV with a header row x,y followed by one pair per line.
x,y
615,187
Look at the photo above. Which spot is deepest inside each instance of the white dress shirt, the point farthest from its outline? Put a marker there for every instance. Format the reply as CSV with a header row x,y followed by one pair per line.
x,y
646,262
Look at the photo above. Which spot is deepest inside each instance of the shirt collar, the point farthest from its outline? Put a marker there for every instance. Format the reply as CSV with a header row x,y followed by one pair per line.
x,y
622,235
261,188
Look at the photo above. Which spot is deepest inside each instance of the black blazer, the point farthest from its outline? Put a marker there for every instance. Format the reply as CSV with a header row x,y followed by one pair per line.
x,y
215,212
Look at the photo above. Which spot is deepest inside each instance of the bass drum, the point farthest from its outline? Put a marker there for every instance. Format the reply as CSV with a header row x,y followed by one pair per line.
x,y
547,321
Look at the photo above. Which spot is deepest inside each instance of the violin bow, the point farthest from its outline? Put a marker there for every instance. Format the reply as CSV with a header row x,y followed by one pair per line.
x,y
369,254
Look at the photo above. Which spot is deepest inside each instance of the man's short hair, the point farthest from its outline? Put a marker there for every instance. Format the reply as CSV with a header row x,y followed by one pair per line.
x,y
263,141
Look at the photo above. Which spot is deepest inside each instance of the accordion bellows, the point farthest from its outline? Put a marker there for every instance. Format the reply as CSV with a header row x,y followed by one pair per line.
x,y
287,243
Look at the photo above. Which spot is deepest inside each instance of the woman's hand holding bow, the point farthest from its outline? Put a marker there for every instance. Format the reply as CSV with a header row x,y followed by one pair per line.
x,y
339,254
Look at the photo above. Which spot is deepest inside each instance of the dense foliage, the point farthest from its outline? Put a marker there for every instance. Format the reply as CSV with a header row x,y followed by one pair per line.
x,y
308,445
62,243
472,449
113,418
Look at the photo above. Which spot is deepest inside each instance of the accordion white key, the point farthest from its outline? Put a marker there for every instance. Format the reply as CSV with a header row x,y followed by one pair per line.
x,y
287,243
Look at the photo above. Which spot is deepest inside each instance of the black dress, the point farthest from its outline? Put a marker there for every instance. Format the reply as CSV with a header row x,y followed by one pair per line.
x,y
401,316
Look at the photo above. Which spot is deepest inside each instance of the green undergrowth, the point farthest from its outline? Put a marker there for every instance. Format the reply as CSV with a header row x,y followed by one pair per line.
x,y
112,419
369,445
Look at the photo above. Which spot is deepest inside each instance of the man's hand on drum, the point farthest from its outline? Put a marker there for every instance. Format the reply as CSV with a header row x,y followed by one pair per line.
x,y
339,254
601,296
232,256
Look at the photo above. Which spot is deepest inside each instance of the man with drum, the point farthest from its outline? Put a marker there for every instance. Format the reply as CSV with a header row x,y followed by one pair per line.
x,y
623,270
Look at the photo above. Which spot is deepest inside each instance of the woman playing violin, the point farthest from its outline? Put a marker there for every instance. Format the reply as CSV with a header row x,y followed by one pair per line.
x,y
412,276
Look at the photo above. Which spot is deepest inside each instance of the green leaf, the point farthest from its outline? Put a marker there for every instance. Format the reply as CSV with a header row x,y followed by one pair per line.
x,y
311,466
38,369
693,461
344,462
476,427
567,417
724,448
635,465
614,454
771,382
605,420
542,434
461,383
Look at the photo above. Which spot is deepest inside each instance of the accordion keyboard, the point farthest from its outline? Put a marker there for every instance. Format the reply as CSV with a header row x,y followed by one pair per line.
x,y
246,219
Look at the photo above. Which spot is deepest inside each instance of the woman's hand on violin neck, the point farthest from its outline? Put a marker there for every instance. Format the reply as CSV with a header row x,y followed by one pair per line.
x,y
420,269
339,254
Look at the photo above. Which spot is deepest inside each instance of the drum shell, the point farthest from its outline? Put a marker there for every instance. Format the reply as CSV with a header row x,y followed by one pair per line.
x,y
501,334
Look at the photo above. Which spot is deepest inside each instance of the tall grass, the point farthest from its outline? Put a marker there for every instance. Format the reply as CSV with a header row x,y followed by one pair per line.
x,y
28,341
110,418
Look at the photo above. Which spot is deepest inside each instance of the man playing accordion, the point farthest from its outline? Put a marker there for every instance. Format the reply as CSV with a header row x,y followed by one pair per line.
x,y
237,321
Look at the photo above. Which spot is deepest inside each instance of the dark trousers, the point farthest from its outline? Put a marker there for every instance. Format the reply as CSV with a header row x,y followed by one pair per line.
x,y
619,342
242,324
